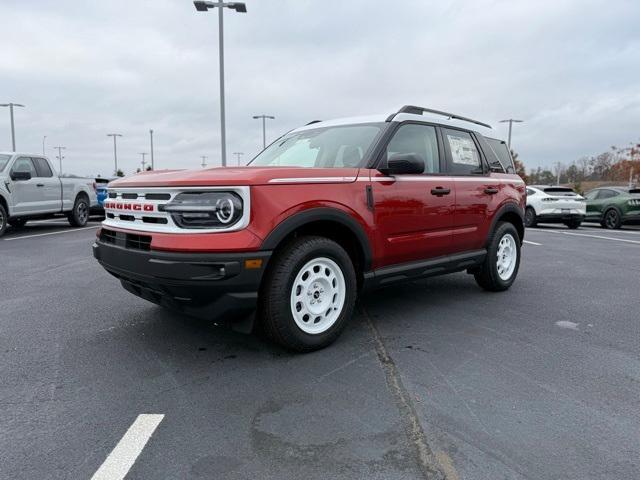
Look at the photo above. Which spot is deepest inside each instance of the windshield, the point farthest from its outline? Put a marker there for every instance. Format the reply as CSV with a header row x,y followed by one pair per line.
x,y
4,159
330,147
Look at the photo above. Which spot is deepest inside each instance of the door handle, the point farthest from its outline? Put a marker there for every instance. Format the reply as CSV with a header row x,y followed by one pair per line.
x,y
40,185
491,190
439,191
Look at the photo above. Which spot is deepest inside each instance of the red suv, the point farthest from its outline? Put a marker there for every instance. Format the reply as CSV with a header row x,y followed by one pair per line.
x,y
326,211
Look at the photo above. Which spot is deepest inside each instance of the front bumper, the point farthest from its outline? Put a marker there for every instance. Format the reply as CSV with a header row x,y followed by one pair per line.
x,y
213,286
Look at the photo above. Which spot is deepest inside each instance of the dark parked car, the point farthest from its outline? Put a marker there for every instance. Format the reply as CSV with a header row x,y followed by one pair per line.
x,y
613,206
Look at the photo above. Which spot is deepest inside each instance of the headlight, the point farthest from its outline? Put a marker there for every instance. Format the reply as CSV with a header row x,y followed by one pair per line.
x,y
205,209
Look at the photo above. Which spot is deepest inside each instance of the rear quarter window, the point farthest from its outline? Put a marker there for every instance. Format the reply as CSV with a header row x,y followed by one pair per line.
x,y
501,151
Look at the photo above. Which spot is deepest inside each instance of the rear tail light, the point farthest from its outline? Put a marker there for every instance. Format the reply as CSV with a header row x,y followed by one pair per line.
x,y
634,202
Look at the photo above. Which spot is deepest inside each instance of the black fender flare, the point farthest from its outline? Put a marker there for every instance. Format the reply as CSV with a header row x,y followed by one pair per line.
x,y
509,207
300,219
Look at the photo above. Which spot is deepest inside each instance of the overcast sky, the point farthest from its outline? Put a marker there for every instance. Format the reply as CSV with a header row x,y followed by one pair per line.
x,y
570,69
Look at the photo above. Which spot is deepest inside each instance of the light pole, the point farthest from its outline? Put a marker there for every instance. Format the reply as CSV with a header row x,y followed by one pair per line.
x,y
204,161
264,128
60,157
144,154
43,139
510,121
203,6
13,130
115,150
151,136
238,155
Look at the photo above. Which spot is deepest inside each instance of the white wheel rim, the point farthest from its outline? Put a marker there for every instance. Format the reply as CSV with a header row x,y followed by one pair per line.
x,y
507,256
317,295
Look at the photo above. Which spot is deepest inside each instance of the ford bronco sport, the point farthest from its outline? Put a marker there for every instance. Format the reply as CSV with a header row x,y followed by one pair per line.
x,y
325,211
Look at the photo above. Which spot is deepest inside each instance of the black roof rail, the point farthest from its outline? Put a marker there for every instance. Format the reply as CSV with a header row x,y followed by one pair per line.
x,y
420,110
312,122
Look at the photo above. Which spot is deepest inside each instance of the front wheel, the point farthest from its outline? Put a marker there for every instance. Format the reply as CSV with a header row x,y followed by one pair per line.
x,y
79,216
309,294
502,262
3,220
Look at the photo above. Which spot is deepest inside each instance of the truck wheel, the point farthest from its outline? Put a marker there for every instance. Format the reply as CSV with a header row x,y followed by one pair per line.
x,y
611,219
308,295
18,222
3,220
530,218
500,267
79,216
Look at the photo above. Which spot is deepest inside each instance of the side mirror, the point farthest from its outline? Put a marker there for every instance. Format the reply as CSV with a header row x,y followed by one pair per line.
x,y
403,163
20,175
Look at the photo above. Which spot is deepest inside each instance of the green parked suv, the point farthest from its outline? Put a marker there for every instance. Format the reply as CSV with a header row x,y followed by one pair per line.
x,y
613,206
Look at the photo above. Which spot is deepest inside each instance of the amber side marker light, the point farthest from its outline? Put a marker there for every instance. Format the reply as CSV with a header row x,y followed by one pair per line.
x,y
253,264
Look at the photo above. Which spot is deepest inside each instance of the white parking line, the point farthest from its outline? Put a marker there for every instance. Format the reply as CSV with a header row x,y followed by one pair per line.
x,y
532,243
600,229
587,235
124,455
70,230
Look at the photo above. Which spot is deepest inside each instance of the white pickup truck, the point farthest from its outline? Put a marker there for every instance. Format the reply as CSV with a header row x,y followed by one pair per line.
x,y
30,188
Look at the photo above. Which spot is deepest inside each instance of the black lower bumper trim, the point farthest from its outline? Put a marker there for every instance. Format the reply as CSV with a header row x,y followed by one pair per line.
x,y
560,217
211,286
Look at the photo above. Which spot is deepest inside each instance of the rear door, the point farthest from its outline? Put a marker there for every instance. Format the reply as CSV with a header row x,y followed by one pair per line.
x,y
477,193
27,198
49,185
413,213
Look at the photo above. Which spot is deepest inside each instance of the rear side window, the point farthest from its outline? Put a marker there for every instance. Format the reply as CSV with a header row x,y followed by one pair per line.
x,y
607,194
464,155
530,192
420,140
501,151
592,195
24,164
43,168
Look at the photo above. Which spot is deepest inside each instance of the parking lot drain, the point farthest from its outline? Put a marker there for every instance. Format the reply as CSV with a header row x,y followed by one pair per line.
x,y
429,464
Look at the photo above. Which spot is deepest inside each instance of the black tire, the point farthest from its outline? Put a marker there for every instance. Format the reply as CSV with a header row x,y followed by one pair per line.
x,y
79,216
611,219
276,304
488,276
573,224
530,220
3,220
18,222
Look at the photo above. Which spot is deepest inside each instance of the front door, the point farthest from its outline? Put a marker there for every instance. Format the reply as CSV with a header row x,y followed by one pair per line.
x,y
413,213
49,186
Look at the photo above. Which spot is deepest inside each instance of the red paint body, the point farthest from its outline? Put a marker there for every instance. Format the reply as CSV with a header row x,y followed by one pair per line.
x,y
405,223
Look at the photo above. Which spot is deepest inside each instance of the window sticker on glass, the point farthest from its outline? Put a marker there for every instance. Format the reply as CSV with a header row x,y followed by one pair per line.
x,y
463,150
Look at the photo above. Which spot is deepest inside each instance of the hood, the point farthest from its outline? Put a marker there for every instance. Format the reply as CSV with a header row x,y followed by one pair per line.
x,y
236,176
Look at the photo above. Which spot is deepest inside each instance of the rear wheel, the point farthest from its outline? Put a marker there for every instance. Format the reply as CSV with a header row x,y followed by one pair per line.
x,y
3,220
500,267
611,219
79,216
18,222
530,217
309,294
573,224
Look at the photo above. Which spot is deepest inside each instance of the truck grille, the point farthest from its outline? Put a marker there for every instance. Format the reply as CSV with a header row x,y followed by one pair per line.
x,y
126,240
141,209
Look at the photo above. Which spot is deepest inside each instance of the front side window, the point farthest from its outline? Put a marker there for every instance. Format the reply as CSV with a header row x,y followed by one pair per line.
x,y
328,147
419,140
24,164
592,194
43,168
465,158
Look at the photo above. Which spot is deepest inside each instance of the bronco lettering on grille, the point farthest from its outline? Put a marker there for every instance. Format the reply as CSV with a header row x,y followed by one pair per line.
x,y
136,207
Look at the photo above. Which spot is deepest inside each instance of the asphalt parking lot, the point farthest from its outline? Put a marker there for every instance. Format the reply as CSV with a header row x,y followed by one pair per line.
x,y
430,379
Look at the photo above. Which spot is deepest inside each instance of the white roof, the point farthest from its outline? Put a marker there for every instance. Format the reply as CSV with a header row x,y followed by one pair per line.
x,y
27,154
400,117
